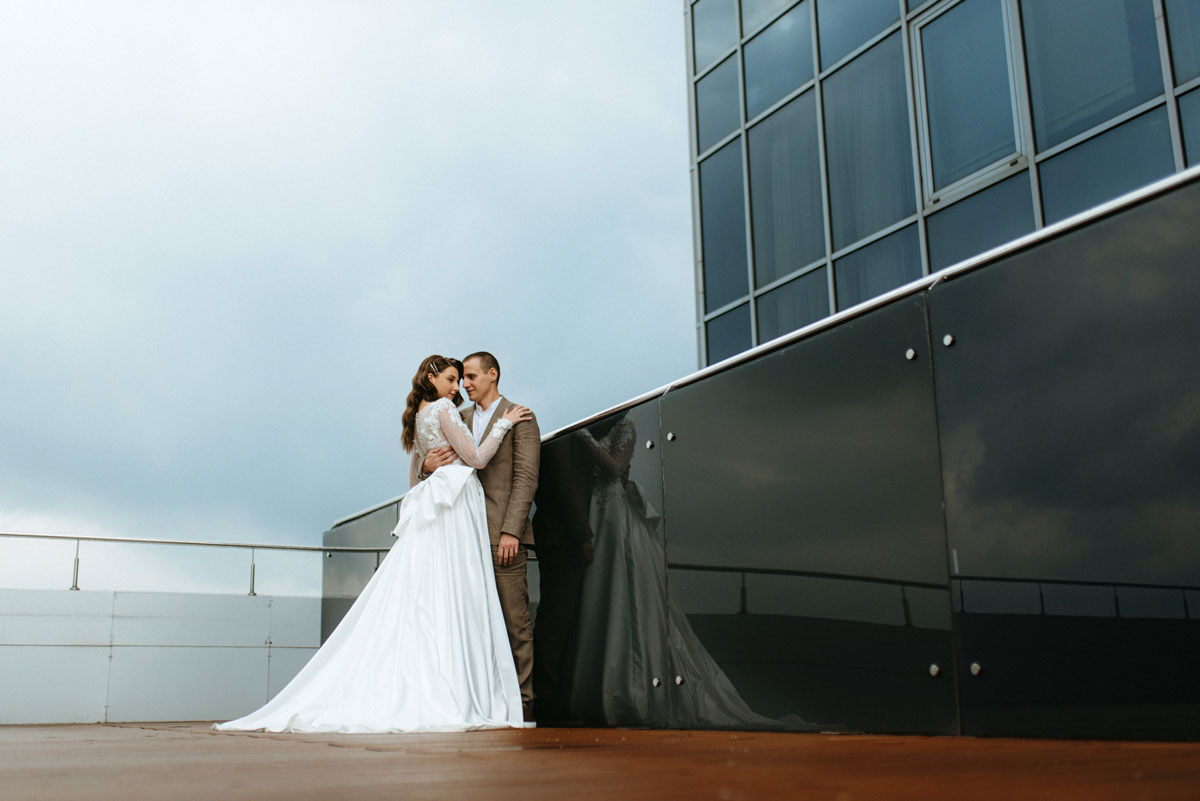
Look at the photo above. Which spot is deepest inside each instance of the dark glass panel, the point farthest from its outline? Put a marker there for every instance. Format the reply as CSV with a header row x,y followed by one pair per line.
x,y
717,113
1133,154
723,226
793,305
877,268
1089,60
1070,454
779,59
992,217
967,90
728,334
756,12
714,30
1189,120
345,574
785,191
843,25
868,143
805,534
600,634
1183,25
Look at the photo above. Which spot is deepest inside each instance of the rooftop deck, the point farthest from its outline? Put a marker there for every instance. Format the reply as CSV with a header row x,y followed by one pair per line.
x,y
184,761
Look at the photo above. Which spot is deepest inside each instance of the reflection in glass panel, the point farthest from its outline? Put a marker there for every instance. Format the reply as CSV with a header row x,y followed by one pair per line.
x,y
756,12
728,334
1183,25
1089,60
717,111
598,533
879,267
843,25
1189,120
793,305
868,144
1120,160
996,215
714,30
966,90
723,226
785,191
778,60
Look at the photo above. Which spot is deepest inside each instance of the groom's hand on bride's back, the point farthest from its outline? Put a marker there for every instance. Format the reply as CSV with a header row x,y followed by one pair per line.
x,y
438,457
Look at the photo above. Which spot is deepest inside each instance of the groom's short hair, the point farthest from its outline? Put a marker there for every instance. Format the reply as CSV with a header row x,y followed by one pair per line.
x,y
487,361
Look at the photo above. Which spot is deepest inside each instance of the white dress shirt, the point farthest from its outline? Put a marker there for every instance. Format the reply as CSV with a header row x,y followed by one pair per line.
x,y
481,418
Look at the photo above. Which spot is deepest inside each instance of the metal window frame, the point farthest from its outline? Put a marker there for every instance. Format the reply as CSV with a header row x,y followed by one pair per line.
x,y
999,169
1025,159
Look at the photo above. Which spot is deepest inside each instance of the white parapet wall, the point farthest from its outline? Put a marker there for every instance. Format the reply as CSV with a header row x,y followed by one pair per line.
x,y
85,657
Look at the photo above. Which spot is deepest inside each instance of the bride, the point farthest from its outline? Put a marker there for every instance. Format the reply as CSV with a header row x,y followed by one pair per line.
x,y
424,648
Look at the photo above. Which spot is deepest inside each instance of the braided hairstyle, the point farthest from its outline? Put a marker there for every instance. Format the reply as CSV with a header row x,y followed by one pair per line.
x,y
422,390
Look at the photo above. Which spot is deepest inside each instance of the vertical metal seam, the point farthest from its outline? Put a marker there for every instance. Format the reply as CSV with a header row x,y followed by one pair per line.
x,y
1164,58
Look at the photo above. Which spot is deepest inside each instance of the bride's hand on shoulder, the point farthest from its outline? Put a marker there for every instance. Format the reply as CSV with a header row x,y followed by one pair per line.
x,y
518,414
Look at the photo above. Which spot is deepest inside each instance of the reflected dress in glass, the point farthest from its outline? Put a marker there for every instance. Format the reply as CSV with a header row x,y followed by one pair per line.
x,y
424,648
623,614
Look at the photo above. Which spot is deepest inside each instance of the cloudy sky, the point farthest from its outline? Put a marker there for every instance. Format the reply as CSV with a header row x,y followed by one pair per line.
x,y
230,230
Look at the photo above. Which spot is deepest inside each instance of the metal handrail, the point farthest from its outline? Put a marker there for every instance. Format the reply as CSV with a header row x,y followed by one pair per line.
x,y
199,543
252,547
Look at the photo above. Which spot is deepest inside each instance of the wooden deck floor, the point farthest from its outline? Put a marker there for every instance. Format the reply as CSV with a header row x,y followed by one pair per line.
x,y
187,761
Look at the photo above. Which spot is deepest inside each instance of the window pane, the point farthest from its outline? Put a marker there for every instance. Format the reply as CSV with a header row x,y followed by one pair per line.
x,y
723,226
1183,25
967,90
1089,60
714,30
879,267
1189,119
717,105
1133,154
793,305
846,24
778,60
756,12
992,217
785,191
868,143
728,334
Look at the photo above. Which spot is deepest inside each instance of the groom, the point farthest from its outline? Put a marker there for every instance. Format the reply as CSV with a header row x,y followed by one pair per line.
x,y
509,482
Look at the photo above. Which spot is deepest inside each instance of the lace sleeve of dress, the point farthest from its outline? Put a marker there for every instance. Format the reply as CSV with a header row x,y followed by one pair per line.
x,y
414,468
463,442
621,446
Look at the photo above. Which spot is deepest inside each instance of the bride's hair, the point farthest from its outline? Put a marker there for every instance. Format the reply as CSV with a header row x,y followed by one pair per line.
x,y
422,390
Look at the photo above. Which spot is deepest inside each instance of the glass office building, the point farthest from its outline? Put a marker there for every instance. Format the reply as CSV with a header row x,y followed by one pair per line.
x,y
842,148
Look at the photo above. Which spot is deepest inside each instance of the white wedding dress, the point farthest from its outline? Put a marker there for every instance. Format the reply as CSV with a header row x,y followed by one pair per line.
x,y
424,648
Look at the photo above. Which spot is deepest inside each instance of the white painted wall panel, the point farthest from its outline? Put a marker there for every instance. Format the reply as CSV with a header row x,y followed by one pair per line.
x,y
56,617
185,683
52,684
174,656
285,664
296,622
157,618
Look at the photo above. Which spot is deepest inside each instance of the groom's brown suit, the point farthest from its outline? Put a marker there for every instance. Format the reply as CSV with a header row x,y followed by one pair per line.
x,y
509,482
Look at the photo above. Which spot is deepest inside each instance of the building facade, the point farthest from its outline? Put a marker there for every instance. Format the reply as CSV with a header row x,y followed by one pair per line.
x,y
842,148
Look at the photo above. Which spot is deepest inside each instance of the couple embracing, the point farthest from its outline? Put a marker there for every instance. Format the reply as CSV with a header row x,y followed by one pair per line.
x,y
439,639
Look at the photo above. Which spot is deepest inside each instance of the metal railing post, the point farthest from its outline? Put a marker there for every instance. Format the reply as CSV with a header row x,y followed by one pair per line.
x,y
75,577
252,592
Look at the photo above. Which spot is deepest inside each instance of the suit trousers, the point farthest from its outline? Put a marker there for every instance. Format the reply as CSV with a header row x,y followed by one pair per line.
x,y
513,588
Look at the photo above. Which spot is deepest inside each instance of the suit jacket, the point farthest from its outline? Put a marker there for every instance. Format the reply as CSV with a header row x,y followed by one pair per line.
x,y
510,479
